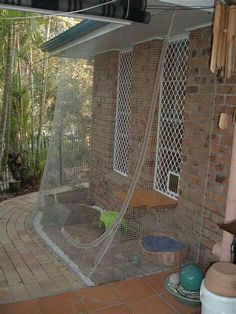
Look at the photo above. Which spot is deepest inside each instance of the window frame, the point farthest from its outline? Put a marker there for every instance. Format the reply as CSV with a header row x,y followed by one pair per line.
x,y
117,153
167,192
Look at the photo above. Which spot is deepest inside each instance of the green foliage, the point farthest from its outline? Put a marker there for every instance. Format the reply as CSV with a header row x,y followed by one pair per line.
x,y
34,76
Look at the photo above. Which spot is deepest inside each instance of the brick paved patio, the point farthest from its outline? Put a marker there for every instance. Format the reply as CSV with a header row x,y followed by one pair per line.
x,y
27,268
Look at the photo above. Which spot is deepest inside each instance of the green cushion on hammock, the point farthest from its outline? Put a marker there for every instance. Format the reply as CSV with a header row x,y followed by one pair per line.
x,y
108,217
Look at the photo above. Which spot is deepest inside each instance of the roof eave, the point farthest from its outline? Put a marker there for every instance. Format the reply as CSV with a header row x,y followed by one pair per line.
x,y
72,34
60,45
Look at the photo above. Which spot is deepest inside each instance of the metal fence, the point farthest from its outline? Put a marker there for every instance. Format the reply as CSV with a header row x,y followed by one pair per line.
x,y
19,162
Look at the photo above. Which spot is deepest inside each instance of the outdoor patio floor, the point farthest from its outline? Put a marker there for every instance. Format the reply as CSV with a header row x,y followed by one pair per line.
x,y
27,268
34,281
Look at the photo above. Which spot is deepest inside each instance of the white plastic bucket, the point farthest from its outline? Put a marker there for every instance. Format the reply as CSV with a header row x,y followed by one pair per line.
x,y
216,304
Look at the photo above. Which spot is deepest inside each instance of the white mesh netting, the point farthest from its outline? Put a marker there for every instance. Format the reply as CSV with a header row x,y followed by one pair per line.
x,y
104,204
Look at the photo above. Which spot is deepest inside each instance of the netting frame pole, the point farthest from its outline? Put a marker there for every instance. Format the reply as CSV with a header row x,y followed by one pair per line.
x,y
60,159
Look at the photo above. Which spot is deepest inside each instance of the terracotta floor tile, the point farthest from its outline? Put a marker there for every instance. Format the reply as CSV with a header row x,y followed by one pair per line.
x,y
181,308
120,309
26,307
66,303
156,281
150,305
133,289
98,297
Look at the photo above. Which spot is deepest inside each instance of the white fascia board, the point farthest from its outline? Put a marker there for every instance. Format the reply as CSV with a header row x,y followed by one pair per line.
x,y
102,31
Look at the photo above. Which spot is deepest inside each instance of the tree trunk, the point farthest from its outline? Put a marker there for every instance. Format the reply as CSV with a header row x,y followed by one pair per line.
x,y
43,99
9,116
20,104
31,83
7,89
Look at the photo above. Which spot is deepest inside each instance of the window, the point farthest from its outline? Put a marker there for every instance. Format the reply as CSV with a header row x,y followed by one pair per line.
x,y
121,147
170,127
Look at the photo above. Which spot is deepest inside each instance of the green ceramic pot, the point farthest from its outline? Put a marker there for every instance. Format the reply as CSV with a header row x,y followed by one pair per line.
x,y
191,277
182,299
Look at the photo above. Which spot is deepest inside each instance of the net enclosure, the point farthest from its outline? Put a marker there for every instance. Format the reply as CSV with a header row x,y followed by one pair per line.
x,y
110,202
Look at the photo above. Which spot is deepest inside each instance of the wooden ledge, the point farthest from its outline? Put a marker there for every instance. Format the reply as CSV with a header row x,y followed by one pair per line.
x,y
148,199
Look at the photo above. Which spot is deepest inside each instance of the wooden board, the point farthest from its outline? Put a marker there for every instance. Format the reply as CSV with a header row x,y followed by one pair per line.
x,y
229,227
148,199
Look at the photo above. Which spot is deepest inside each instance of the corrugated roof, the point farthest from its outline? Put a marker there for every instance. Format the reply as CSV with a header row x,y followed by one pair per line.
x,y
71,34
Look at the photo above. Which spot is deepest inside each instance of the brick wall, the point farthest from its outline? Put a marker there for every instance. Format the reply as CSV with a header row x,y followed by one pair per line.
x,y
103,122
146,59
104,180
205,166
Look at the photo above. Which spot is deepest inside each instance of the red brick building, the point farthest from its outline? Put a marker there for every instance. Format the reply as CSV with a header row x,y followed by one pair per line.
x,y
187,164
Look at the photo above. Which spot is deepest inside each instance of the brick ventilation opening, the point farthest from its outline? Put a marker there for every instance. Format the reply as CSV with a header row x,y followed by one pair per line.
x,y
170,133
122,129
